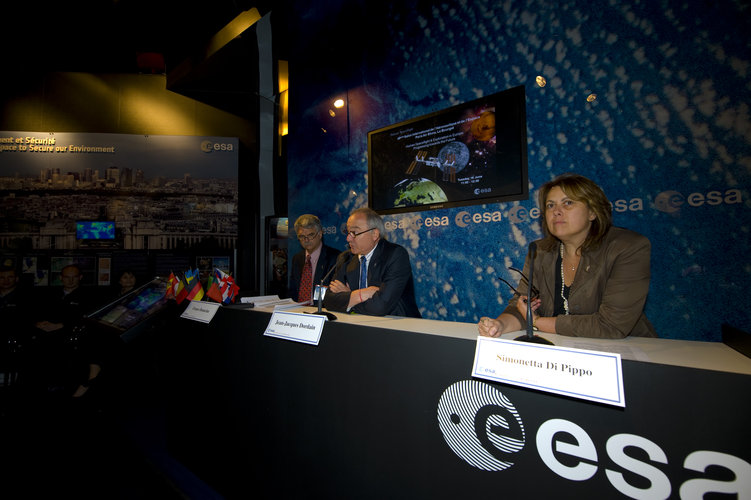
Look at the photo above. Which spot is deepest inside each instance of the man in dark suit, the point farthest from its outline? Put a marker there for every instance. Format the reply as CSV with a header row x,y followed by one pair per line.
x,y
386,286
322,257
66,356
67,306
14,305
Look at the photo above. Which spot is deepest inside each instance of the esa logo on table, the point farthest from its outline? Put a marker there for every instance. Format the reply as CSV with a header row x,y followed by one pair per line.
x,y
482,426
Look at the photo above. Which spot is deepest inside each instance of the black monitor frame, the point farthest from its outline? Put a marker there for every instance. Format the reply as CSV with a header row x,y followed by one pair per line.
x,y
475,153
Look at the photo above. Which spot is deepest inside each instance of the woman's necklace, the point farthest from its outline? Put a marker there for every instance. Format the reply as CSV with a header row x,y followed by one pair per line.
x,y
563,283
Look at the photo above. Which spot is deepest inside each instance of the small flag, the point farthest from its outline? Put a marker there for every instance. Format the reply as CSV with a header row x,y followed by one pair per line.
x,y
170,292
213,290
181,293
230,291
175,289
193,285
223,287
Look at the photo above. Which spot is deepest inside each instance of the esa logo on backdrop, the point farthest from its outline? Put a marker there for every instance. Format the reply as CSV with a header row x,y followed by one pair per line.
x,y
415,223
210,146
518,213
672,201
464,218
669,202
482,426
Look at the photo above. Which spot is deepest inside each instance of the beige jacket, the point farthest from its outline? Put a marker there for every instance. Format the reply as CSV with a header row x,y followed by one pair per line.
x,y
607,297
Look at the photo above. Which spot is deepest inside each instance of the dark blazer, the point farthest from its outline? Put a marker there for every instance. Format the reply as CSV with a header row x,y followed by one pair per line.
x,y
68,309
389,269
326,261
609,291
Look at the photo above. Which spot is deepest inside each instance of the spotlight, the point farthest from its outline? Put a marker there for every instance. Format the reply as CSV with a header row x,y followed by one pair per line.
x,y
339,103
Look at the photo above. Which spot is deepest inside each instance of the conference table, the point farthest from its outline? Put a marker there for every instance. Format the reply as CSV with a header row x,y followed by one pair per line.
x,y
387,407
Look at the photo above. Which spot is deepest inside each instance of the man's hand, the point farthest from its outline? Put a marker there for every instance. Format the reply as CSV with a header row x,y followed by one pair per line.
x,y
337,286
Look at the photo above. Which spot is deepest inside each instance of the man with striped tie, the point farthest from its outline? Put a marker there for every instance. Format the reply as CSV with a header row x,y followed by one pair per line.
x,y
311,264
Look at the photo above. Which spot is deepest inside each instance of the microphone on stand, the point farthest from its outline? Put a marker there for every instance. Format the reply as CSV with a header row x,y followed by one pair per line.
x,y
318,295
530,336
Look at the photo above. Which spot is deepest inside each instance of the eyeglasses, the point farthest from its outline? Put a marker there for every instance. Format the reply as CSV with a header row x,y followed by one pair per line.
x,y
355,235
535,291
308,237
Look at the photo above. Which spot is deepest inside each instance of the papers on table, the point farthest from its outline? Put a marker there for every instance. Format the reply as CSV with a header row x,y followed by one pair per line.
x,y
272,301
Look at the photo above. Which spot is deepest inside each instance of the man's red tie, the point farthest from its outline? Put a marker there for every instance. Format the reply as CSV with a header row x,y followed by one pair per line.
x,y
306,282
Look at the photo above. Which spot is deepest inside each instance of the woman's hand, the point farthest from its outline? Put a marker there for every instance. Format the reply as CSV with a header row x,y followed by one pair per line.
x,y
521,306
489,327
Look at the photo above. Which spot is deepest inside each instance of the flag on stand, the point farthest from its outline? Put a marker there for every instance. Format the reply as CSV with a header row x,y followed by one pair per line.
x,y
175,289
213,290
223,287
170,292
193,285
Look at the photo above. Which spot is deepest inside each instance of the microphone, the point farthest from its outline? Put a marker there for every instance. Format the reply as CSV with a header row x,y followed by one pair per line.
x,y
319,288
337,264
530,336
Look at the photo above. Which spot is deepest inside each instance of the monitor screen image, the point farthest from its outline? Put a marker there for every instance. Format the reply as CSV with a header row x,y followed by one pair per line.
x,y
95,230
468,154
135,307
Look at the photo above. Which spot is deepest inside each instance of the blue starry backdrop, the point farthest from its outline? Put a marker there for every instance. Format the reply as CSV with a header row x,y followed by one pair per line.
x,y
666,135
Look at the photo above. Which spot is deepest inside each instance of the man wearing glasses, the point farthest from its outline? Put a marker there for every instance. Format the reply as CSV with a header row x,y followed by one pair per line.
x,y
377,278
312,263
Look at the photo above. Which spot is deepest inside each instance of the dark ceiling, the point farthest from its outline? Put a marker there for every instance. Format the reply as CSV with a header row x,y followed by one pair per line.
x,y
108,36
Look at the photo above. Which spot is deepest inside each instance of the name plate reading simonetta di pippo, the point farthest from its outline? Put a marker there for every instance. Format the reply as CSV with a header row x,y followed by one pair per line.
x,y
304,328
578,373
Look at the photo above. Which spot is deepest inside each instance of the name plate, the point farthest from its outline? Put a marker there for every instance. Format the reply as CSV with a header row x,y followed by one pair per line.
x,y
200,311
591,375
305,328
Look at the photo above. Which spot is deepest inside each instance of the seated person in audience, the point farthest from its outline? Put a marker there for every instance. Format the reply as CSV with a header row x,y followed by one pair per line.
x,y
14,319
385,287
14,303
67,306
322,258
65,356
592,277
127,282
8,284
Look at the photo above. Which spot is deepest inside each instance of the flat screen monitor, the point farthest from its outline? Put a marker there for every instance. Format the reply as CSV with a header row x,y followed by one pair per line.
x,y
468,154
95,230
131,311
